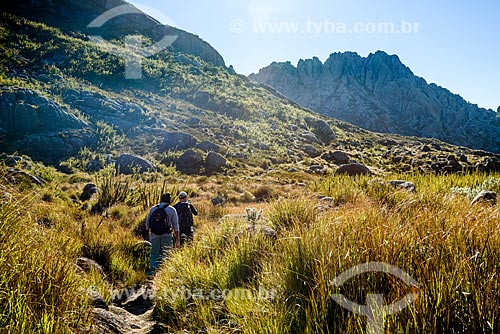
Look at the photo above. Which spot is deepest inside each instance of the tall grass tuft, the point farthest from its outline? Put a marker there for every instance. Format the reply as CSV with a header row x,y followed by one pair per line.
x,y
40,289
287,213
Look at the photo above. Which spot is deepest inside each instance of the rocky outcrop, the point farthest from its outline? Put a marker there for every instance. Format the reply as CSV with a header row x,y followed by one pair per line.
x,y
130,164
208,146
312,151
25,111
53,147
123,115
40,127
321,129
381,94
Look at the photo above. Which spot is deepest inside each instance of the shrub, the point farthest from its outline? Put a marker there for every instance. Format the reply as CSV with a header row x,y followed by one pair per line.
x,y
264,193
111,190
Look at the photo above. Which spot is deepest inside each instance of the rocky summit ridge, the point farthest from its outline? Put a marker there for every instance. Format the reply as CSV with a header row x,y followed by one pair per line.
x,y
380,93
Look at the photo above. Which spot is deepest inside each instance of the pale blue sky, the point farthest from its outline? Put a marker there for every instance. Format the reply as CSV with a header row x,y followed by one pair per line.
x,y
453,43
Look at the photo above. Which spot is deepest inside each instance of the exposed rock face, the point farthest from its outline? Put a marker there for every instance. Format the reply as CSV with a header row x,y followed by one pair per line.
x,y
52,147
121,114
381,94
24,111
62,14
40,127
129,164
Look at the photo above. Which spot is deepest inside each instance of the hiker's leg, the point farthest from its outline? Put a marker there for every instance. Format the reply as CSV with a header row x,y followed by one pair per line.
x,y
154,260
189,235
185,232
166,246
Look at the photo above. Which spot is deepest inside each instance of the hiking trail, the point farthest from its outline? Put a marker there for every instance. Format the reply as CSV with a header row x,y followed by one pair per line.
x,y
133,313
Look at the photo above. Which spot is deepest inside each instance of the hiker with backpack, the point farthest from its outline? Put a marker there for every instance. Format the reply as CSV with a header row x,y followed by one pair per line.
x,y
185,211
163,224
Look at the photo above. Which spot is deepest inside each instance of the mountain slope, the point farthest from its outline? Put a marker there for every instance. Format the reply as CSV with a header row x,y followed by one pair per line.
x,y
63,97
381,94
75,16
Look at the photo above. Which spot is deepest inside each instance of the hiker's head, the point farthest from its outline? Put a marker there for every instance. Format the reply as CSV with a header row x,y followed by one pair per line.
x,y
165,198
183,196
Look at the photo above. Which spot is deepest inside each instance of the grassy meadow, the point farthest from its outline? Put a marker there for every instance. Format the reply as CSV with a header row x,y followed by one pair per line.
x,y
232,281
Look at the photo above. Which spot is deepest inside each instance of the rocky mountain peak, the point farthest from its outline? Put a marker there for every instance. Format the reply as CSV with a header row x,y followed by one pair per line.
x,y
380,93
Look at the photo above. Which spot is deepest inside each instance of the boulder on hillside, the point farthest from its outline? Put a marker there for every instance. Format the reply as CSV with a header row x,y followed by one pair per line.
x,y
214,162
488,165
310,137
321,129
88,265
486,196
257,229
311,151
178,141
208,146
353,169
218,201
316,169
129,164
190,162
337,157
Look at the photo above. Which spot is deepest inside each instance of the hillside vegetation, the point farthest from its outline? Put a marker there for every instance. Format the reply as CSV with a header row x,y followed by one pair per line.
x,y
278,283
